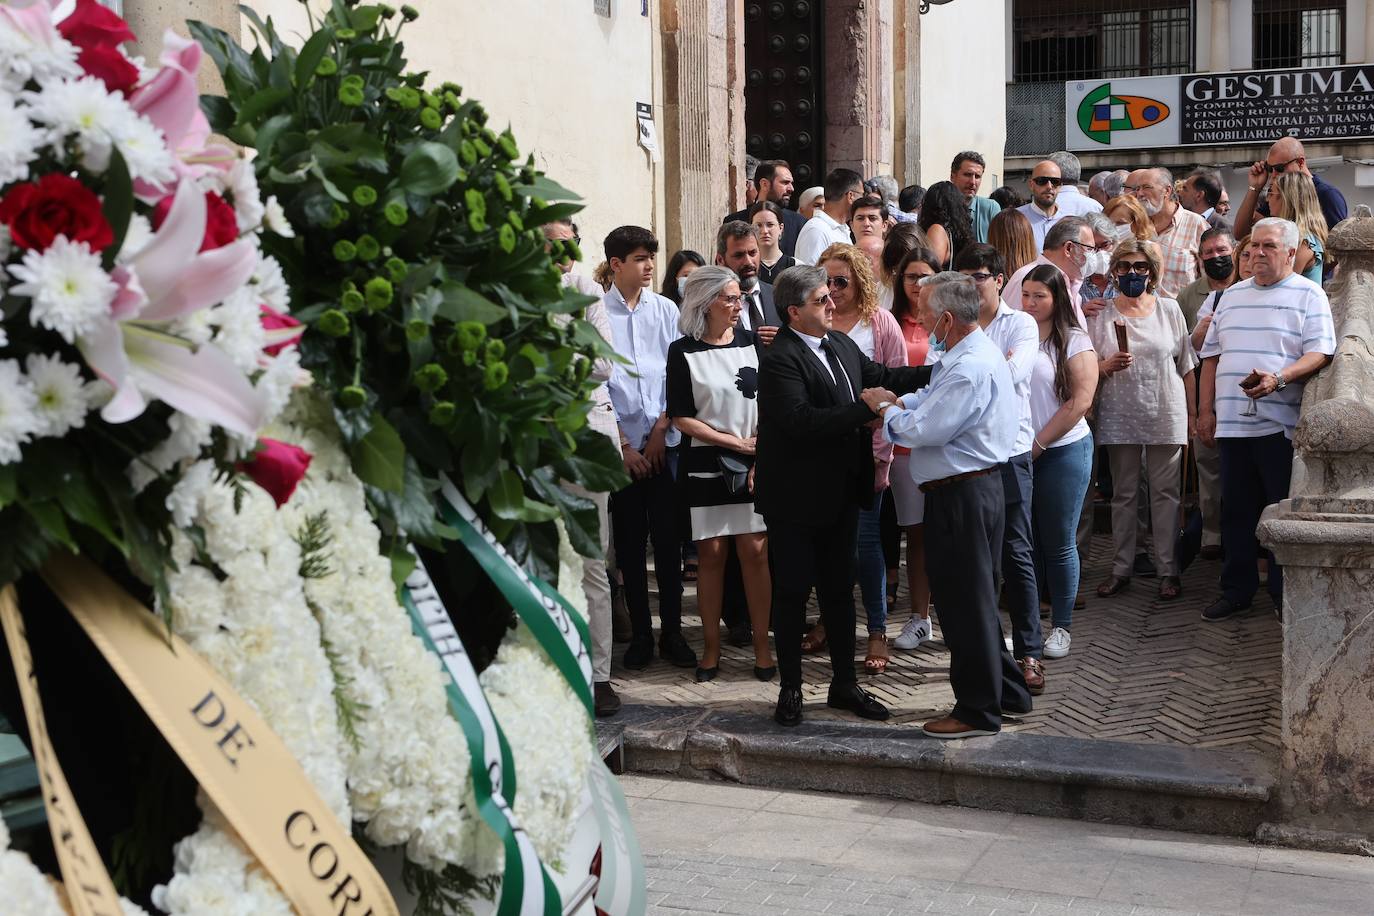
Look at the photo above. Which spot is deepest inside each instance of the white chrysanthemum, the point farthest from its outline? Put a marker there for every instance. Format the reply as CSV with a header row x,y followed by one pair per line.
x,y
83,108
26,57
70,290
144,148
189,438
274,219
18,411
281,377
270,285
19,141
64,398
240,333
241,182
4,338
136,238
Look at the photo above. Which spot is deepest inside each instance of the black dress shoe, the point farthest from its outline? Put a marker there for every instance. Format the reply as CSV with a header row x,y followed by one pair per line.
x,y
607,701
1210,552
858,701
765,674
1221,609
673,648
741,635
707,674
1144,566
789,711
640,653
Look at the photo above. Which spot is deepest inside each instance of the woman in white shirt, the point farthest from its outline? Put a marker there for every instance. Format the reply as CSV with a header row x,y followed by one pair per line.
x,y
1061,391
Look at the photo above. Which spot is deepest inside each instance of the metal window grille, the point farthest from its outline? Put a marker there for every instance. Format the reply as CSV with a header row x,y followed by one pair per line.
x,y
1062,40
1299,33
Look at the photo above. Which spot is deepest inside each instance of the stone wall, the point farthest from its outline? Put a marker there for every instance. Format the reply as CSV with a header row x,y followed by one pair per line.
x,y
1323,535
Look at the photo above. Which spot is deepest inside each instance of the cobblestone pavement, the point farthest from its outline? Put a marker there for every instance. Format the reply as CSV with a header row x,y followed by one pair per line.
x,y
1139,670
719,848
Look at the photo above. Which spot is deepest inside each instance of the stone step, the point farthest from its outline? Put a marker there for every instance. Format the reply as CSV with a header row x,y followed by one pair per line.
x,y
1151,785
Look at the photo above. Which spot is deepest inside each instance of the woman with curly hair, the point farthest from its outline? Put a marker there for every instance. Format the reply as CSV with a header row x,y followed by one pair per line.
x,y
945,221
855,294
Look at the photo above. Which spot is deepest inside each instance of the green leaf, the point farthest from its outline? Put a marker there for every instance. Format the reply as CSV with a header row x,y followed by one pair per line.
x,y
402,565
552,213
413,507
269,132
118,205
312,52
218,110
595,465
229,58
364,18
507,495
580,518
379,457
262,102
9,484
546,188
429,169
85,506
349,144
50,518
461,303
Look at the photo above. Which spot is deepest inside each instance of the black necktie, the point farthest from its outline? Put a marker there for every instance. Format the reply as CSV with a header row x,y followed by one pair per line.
x,y
841,380
755,313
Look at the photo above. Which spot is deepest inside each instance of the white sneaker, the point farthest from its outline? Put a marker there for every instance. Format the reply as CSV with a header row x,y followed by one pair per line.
x,y
916,631
1057,645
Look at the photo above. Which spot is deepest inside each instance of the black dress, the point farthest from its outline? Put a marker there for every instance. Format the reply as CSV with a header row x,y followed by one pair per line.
x,y
718,385
768,274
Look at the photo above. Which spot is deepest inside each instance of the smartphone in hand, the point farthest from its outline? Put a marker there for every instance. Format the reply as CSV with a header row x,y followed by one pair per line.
x,y
1251,380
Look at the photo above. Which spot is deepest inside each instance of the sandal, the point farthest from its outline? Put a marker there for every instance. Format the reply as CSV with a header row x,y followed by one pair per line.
x,y
876,660
1169,588
1113,585
814,641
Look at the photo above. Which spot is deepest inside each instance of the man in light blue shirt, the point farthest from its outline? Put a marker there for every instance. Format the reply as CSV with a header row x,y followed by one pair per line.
x,y
643,325
1043,211
966,174
961,429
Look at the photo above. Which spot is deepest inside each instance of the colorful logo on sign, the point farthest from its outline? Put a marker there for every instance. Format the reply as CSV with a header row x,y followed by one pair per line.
x,y
1100,113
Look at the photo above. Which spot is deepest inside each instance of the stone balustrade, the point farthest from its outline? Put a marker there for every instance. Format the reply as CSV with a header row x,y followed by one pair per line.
x,y
1323,535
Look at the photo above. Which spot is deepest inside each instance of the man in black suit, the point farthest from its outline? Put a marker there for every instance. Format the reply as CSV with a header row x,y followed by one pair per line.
x,y
737,247
813,471
773,178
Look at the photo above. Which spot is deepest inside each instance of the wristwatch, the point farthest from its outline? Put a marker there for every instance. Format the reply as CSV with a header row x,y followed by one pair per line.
x,y
1279,381
884,405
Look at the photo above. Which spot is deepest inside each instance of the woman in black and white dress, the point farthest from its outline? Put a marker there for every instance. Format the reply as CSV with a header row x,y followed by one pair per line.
x,y
713,372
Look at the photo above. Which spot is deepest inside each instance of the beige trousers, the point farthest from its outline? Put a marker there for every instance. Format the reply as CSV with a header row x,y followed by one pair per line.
x,y
1209,491
597,587
1162,467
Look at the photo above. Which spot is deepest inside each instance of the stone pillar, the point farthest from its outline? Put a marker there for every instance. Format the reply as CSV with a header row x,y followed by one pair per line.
x,y
1323,535
150,18
858,85
703,123
906,91
1221,36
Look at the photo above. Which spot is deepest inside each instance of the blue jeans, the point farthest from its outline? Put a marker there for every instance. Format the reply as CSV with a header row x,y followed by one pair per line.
x,y
1061,479
871,565
1018,558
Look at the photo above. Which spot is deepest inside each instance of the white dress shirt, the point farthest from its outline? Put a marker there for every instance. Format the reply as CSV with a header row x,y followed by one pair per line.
x,y
1072,202
815,344
819,233
642,335
965,420
1017,335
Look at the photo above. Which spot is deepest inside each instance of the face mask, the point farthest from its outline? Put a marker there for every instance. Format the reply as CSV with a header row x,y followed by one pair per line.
x,y
937,344
1132,285
1123,232
1099,262
1218,268
681,285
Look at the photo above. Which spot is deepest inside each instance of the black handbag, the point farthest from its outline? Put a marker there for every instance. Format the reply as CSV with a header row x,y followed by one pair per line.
x,y
735,472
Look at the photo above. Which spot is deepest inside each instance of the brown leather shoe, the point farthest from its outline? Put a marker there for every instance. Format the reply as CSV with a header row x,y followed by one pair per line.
x,y
950,727
607,701
1034,673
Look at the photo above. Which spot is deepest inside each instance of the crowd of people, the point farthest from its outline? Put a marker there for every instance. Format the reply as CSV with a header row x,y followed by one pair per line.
x,y
968,373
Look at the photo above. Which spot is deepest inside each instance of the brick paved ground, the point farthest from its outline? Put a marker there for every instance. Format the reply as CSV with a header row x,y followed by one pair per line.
x,y
1139,670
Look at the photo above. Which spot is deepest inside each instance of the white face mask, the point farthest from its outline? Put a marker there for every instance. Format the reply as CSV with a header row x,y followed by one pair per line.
x,y
1099,262
681,285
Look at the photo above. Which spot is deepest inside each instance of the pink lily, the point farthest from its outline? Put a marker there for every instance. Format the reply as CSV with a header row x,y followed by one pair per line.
x,y
134,349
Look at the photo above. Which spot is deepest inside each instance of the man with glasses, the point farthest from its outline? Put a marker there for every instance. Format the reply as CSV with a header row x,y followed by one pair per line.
x,y
1177,231
813,472
1043,211
1286,155
1067,247
830,224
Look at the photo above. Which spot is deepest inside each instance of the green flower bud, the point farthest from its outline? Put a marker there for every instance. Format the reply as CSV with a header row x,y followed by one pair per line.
x,y
479,114
416,330
351,96
442,413
506,144
430,99
489,136
527,174
483,150
505,237
353,80
470,334
495,375
386,10
431,119
334,323
393,93
469,357
474,201
336,216
495,349
581,369
451,101
352,301
395,213
327,66
477,222
450,86
409,13
345,34
574,251
397,269
345,251
468,153
514,219
368,248
352,396
364,195
502,186
378,292
430,377
408,98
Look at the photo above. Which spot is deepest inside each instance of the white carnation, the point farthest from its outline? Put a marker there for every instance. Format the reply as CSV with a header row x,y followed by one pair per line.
x,y
189,438
279,379
184,500
19,419
64,398
19,141
71,292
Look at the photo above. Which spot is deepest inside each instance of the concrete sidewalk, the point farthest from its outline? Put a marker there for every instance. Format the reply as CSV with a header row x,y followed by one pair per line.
x,y
720,848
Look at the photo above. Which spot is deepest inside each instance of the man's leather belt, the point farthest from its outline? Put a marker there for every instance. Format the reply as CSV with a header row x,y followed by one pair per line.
x,y
946,481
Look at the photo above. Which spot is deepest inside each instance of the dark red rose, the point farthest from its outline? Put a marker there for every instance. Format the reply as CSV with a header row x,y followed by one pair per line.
x,y
56,205
92,25
273,320
221,225
277,467
111,67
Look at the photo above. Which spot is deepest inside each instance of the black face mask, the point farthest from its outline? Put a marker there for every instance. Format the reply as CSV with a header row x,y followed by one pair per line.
x,y
1218,268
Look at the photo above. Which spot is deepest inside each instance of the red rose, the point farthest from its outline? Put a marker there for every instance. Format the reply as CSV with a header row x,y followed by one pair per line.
x,y
273,320
111,67
57,205
277,467
92,25
221,225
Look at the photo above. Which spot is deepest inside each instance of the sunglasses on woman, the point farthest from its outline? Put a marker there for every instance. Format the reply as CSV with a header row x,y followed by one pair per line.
x,y
837,282
1131,267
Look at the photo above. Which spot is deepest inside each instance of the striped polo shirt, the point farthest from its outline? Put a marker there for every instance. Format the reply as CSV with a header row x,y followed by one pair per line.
x,y
1265,328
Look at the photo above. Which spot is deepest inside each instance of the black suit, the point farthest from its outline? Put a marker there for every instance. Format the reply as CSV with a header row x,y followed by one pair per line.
x,y
1217,221
813,471
766,306
792,223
